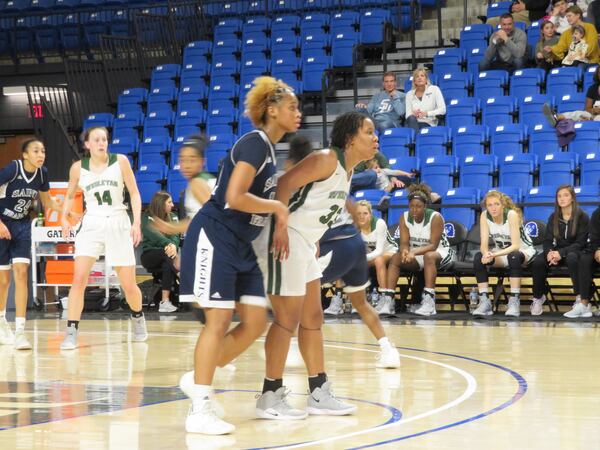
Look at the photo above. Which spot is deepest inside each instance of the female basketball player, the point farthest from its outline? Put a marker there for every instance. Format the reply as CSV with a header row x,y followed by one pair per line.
x,y
423,246
22,182
105,228
501,221
320,184
191,166
219,267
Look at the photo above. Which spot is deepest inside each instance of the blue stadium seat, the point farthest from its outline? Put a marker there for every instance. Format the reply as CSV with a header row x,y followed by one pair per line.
x,y
153,149
312,70
462,112
497,9
533,36
344,19
220,117
222,88
255,43
158,123
542,139
432,141
475,36
162,95
278,6
226,28
373,196
525,82
469,140
498,111
587,138
98,120
255,7
226,47
455,84
149,178
474,57
165,72
590,168
46,33
121,24
438,172
372,23
131,100
514,192
507,139
124,146
127,124
342,48
284,23
197,52
95,25
460,196
490,83
397,205
588,76
563,80
587,193
405,163
558,168
70,33
477,171
571,102
449,60
256,24
530,108
396,142
539,194
176,183
517,170
224,65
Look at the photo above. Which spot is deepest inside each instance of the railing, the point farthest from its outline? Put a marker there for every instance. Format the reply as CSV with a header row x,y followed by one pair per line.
x,y
88,89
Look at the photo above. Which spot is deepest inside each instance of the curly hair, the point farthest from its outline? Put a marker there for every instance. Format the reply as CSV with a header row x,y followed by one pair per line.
x,y
420,192
266,92
505,201
345,127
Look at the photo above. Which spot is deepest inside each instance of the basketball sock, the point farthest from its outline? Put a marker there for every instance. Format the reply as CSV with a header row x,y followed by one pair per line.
x,y
199,394
19,323
483,292
74,323
272,385
317,381
430,292
137,315
384,342
516,293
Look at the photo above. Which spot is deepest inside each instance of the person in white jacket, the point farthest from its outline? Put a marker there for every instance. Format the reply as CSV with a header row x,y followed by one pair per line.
x,y
424,102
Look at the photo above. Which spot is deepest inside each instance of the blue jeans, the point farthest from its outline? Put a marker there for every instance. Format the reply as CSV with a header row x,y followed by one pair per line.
x,y
363,180
413,122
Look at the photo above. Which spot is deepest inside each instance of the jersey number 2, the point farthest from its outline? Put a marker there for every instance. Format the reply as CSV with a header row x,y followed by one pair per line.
x,y
106,198
328,219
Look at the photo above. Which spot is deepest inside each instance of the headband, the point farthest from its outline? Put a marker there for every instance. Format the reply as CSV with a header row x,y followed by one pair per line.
x,y
419,196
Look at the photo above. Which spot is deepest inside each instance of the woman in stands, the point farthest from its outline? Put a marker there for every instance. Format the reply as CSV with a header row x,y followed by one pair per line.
x,y
588,264
548,37
105,228
424,102
219,266
159,250
380,245
191,166
316,190
502,222
565,239
22,181
423,247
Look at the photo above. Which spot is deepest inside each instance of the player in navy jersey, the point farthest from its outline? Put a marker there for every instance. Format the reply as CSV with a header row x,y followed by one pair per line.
x,y
22,182
219,269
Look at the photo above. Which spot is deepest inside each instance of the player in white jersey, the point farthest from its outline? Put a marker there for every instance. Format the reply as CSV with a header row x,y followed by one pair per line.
x,y
191,166
105,228
502,222
315,190
423,246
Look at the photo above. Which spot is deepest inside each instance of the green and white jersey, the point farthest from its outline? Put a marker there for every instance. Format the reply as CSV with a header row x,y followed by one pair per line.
x,y
192,205
420,233
378,240
102,192
315,207
500,233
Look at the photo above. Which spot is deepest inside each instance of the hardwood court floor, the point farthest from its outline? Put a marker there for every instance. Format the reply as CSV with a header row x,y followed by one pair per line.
x,y
489,385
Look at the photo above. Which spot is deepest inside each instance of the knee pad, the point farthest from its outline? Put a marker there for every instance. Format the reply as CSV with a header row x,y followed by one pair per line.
x,y
515,262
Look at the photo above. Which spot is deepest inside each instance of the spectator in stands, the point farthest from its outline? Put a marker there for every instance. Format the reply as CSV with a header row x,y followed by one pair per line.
x,y
593,13
507,47
191,166
589,263
559,50
423,247
565,239
160,251
387,107
380,245
424,102
558,16
548,37
525,11
384,176
577,48
365,178
502,223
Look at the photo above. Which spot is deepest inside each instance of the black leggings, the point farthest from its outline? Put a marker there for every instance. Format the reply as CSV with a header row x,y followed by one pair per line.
x,y
587,266
515,266
540,267
157,261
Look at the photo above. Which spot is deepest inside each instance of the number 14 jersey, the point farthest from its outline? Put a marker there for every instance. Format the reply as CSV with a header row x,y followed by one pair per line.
x,y
102,192
314,207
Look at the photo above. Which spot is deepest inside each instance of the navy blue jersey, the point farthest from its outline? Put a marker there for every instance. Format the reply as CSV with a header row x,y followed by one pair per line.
x,y
19,189
253,148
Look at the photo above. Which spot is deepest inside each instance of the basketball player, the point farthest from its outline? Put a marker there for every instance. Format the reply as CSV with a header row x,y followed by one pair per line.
x,y
316,190
191,165
21,183
105,228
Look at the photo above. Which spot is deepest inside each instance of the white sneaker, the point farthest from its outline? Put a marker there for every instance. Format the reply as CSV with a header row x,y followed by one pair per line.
x,y
514,307
6,335
484,308
579,311
427,307
321,401
21,342
274,405
387,305
336,307
202,419
185,384
388,358
167,307
70,340
537,306
140,333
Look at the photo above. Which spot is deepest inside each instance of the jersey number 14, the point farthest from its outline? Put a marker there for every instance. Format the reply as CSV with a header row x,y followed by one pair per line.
x,y
104,199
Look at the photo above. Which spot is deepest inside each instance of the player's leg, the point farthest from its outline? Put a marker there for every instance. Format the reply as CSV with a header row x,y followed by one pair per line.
x,y
133,295
515,262
484,305
6,335
20,274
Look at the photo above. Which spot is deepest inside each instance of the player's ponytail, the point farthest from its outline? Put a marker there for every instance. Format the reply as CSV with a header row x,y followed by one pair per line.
x,y
267,91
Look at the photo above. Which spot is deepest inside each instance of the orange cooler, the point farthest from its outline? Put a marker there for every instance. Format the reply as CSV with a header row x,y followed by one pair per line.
x,y
59,191
59,272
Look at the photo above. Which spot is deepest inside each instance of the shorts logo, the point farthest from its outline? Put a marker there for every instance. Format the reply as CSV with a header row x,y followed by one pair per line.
x,y
216,295
532,229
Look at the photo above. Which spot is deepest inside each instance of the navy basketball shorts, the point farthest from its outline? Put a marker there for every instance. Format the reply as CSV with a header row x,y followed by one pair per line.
x,y
345,259
217,268
17,249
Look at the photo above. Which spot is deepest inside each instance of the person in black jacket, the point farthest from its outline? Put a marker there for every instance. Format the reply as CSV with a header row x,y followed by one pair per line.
x,y
566,237
590,261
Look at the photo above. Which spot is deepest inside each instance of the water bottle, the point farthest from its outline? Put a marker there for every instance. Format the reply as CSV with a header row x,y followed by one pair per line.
x,y
373,297
473,299
40,220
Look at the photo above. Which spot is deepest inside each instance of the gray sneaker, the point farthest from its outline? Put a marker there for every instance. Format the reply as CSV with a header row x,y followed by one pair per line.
x,y
140,334
321,401
274,405
70,341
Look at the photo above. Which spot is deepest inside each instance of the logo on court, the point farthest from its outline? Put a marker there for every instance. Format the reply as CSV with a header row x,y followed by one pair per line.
x,y
532,229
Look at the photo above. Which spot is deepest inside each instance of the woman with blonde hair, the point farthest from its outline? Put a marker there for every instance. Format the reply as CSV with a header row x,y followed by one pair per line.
x,y
424,102
502,223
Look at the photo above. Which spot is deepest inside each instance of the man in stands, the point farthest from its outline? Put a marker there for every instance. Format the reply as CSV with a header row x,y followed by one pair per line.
x,y
386,107
507,47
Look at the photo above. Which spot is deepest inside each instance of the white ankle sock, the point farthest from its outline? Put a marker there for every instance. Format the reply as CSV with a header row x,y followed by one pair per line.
x,y
20,323
384,342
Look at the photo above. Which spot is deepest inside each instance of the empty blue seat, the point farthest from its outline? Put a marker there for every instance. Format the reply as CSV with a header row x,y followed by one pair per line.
x,y
396,142
165,72
462,112
498,111
223,88
344,19
149,178
507,139
405,163
226,47
517,170
590,168
474,57
162,95
587,194
312,70
589,76
227,27
176,183
558,168
571,102
373,196
397,205
372,23
153,149
587,138
449,60
530,108
563,80
525,82
533,36
542,139
256,24
491,83
432,141
98,120
132,99
285,23
125,146
469,140
539,194
461,196
475,36
455,85
197,52
477,171
342,48
497,9
514,192
438,172
70,33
